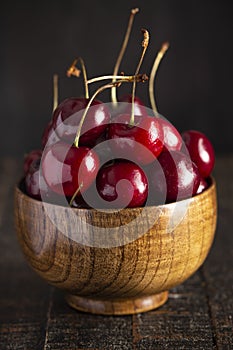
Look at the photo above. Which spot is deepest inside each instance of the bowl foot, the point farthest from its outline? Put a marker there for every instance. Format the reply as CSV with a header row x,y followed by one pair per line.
x,y
117,306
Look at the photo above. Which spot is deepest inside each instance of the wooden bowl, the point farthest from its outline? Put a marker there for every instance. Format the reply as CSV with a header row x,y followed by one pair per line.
x,y
119,274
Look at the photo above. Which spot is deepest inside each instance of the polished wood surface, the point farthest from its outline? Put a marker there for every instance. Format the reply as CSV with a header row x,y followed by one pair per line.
x,y
122,278
197,315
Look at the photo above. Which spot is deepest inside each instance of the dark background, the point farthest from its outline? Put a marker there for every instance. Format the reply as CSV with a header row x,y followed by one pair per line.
x,y
38,39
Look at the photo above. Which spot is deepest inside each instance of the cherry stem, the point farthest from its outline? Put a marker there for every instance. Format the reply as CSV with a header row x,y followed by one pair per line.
x,y
55,91
154,70
145,44
140,77
75,194
73,70
126,78
121,53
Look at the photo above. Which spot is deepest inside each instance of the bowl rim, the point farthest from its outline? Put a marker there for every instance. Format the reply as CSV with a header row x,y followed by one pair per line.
x,y
211,181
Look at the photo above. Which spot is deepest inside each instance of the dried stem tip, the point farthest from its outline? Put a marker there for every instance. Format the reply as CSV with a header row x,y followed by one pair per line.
x,y
145,44
146,39
164,47
141,78
73,70
134,11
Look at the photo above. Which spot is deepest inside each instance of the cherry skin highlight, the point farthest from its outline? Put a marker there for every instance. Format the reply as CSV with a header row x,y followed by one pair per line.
x,y
201,151
68,169
123,183
128,140
172,137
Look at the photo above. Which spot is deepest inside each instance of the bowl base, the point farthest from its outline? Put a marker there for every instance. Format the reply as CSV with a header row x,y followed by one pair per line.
x,y
117,306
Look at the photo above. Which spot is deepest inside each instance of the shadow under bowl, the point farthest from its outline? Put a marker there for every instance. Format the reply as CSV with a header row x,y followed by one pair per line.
x,y
121,262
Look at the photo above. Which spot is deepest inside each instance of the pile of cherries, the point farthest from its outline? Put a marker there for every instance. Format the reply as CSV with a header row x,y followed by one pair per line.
x,y
151,155
103,155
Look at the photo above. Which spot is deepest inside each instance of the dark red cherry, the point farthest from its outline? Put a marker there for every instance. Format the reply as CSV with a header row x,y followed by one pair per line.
x,y
35,185
140,143
29,158
68,168
177,176
201,151
172,137
122,184
126,107
67,116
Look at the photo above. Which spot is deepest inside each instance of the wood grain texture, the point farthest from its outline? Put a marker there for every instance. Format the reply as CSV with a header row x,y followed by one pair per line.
x,y
197,315
122,279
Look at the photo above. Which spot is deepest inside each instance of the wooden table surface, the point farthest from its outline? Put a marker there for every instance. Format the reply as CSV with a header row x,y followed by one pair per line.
x,y
197,315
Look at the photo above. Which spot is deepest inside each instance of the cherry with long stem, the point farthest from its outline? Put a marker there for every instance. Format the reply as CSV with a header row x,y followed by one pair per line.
x,y
172,137
102,88
96,121
121,53
141,77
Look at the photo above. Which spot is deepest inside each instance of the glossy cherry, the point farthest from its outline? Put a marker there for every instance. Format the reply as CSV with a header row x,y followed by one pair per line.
x,y
172,137
177,176
128,140
201,151
30,157
68,169
68,114
122,184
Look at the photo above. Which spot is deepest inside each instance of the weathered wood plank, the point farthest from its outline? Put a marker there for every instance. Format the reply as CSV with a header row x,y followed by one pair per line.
x,y
69,329
217,271
182,323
